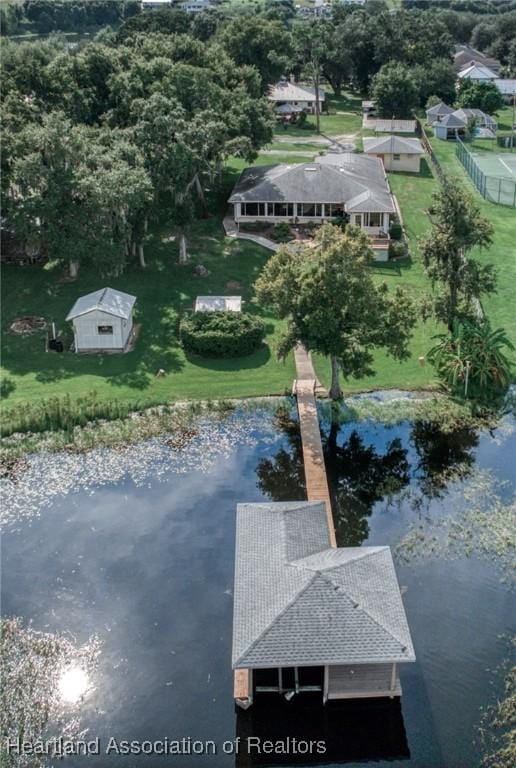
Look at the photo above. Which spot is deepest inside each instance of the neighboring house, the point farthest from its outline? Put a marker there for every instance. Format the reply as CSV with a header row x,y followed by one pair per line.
x,y
347,184
218,304
152,5
477,72
465,56
294,96
102,321
507,88
308,616
196,6
382,125
437,112
397,153
455,124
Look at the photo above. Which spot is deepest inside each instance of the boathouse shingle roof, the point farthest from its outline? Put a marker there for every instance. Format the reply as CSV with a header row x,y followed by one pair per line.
x,y
300,602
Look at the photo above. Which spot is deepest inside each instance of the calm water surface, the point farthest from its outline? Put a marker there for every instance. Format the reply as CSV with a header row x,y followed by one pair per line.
x,y
137,547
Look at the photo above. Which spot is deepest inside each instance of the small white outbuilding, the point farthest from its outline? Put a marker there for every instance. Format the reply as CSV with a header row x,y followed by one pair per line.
x,y
218,304
102,321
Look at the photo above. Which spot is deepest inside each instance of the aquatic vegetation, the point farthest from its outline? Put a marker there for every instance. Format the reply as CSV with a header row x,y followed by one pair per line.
x,y
498,727
393,407
107,453
482,522
129,428
44,679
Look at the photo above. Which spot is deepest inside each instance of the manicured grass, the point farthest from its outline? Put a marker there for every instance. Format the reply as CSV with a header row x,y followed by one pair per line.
x,y
344,117
164,291
414,194
500,306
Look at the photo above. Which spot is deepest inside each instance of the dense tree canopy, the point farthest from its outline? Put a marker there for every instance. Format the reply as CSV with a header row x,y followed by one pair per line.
x,y
395,91
484,96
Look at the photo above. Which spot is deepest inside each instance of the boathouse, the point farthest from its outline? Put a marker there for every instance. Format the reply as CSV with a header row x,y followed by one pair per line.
x,y
309,616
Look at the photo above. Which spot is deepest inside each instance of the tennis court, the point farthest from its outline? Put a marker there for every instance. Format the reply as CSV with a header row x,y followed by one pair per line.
x,y
496,179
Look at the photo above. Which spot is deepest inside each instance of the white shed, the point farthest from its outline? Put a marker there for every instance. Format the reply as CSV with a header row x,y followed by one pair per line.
x,y
218,304
102,321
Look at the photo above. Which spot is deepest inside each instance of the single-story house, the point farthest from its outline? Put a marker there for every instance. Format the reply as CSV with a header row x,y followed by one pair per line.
x,y
465,56
455,124
218,304
311,617
387,125
507,88
296,95
437,112
153,5
397,153
345,184
477,72
102,321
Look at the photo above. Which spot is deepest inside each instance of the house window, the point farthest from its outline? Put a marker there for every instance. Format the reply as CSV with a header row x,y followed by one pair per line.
x,y
254,209
334,209
105,329
309,209
373,219
283,209
396,157
358,219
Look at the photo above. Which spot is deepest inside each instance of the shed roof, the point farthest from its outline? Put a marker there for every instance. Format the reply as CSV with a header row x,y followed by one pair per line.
x,y
107,300
438,110
386,125
388,145
300,602
453,121
284,90
218,304
334,178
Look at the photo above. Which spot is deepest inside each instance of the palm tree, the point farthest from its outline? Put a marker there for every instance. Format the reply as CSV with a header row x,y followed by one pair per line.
x,y
472,362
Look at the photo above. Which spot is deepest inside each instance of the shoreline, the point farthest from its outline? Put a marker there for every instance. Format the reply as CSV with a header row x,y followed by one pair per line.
x,y
174,420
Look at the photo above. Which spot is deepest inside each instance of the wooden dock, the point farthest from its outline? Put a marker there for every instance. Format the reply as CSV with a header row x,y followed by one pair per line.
x,y
313,457
315,477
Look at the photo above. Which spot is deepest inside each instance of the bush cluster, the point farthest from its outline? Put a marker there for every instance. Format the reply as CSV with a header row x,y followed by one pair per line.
x,y
221,334
397,250
281,232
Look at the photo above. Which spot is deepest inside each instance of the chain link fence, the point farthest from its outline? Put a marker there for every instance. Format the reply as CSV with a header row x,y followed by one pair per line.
x,y
496,189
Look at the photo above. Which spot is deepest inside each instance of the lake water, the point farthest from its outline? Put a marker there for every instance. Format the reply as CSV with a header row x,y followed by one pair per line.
x,y
137,547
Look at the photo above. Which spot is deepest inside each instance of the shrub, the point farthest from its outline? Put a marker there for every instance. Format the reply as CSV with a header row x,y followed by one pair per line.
x,y
397,250
301,119
281,232
396,231
221,334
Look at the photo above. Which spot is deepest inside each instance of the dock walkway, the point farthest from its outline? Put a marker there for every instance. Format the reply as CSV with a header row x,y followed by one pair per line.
x,y
313,457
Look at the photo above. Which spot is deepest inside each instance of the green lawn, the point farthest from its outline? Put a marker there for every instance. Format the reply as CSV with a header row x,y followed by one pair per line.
x,y
414,194
164,291
344,117
500,306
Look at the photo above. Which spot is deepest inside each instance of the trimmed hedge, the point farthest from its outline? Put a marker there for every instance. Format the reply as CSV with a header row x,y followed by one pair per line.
x,y
221,334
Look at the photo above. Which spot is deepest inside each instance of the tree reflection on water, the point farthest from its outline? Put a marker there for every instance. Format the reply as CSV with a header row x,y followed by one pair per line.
x,y
361,474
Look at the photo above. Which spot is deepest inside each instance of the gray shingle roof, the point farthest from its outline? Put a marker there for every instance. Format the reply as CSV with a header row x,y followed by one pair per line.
x,y
388,145
438,110
299,602
115,303
334,178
